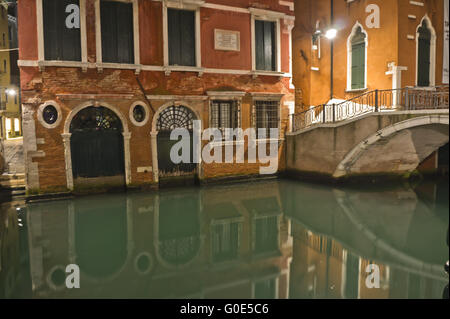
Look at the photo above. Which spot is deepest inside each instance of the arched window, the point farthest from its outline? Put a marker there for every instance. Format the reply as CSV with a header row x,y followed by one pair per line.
x,y
424,54
175,117
358,59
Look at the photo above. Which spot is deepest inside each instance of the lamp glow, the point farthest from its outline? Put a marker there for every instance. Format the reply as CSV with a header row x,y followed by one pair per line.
x,y
331,34
11,92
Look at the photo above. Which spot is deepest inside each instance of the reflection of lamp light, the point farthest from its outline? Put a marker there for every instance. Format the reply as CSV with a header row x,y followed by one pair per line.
x,y
331,33
11,92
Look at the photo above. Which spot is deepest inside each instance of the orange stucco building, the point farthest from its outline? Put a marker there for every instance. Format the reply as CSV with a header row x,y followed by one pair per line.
x,y
379,45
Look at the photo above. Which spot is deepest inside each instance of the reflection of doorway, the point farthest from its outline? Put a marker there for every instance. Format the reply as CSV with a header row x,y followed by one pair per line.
x,y
101,236
97,147
172,118
179,229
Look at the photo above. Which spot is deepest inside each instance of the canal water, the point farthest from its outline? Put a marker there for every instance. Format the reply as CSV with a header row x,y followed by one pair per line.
x,y
271,239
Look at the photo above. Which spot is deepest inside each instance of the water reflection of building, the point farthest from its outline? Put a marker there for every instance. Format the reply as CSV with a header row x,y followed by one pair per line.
x,y
14,274
168,245
323,268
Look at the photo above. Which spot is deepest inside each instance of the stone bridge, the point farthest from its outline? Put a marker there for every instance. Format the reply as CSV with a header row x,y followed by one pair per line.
x,y
378,143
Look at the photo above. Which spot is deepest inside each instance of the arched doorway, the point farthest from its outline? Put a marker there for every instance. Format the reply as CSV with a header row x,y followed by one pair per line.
x,y
171,118
97,147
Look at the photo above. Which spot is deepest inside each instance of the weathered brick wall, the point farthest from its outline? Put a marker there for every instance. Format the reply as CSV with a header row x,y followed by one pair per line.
x,y
71,87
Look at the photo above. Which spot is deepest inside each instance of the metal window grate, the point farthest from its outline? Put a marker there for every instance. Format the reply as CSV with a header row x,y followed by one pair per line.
x,y
175,117
267,115
224,114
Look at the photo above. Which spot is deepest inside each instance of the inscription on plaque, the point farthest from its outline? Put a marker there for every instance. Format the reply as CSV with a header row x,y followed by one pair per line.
x,y
227,40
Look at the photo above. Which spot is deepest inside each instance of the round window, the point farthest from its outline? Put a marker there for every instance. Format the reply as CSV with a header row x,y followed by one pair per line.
x,y
139,113
50,114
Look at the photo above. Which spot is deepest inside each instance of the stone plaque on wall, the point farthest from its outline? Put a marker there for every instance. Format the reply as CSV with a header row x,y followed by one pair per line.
x,y
227,40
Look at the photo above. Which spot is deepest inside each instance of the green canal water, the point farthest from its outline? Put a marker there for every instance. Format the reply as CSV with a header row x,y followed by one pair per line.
x,y
268,239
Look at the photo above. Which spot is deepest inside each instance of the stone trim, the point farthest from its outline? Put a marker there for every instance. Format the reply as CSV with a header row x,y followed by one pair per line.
x,y
41,119
147,113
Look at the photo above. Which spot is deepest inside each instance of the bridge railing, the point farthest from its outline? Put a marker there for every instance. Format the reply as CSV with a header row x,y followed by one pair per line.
x,y
373,101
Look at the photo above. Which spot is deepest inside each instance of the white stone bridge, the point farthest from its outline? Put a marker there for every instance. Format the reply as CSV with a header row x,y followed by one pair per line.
x,y
378,133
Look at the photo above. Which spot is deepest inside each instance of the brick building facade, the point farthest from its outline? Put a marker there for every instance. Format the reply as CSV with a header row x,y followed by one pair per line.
x,y
126,72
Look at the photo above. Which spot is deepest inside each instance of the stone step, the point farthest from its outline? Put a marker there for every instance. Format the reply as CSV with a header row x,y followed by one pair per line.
x,y
8,177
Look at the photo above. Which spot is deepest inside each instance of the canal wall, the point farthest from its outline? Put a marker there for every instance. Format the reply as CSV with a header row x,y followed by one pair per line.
x,y
389,144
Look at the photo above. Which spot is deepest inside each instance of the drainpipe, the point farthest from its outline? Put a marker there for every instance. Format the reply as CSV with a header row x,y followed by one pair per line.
x,y
332,51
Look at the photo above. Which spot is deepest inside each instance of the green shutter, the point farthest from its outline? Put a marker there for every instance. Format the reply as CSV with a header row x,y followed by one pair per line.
x,y
181,37
358,65
60,42
265,39
117,32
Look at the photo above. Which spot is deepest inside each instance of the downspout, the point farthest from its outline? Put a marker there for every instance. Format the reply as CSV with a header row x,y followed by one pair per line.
x,y
332,51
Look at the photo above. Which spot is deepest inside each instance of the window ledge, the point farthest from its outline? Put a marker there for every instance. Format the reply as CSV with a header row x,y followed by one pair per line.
x,y
356,90
181,68
256,73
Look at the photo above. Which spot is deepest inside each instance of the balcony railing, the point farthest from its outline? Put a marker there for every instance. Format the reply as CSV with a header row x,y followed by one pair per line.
x,y
405,99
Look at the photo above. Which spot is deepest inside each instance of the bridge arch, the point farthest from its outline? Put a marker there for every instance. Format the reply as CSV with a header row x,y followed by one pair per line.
x,y
400,139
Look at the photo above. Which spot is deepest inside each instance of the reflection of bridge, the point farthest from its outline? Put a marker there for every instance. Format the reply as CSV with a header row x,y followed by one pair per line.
x,y
380,132
392,227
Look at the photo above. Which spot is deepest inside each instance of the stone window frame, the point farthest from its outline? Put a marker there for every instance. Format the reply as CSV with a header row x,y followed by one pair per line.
x,y
192,5
349,57
136,37
432,51
41,43
272,16
147,113
41,118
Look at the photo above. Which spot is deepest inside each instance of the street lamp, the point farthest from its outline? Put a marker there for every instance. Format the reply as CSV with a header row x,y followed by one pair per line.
x,y
11,92
331,34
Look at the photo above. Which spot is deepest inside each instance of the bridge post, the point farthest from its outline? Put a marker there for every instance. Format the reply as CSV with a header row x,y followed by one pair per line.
x,y
334,112
324,113
376,100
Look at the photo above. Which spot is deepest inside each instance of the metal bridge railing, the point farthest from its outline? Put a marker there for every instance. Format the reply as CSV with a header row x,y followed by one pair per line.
x,y
373,101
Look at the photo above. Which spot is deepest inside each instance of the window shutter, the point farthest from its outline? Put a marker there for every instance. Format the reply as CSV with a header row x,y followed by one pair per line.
x,y
50,13
117,32
181,37
125,40
174,37
424,63
269,52
358,65
259,45
187,31
265,45
60,42
109,31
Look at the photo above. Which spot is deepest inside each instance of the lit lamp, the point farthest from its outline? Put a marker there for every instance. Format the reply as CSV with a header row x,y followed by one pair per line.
x,y
331,34
11,92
